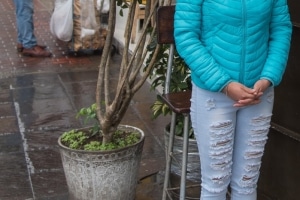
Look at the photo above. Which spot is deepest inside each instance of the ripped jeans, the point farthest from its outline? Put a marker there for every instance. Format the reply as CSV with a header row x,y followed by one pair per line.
x,y
231,143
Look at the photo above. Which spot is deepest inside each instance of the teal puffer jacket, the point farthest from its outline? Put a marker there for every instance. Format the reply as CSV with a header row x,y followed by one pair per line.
x,y
233,40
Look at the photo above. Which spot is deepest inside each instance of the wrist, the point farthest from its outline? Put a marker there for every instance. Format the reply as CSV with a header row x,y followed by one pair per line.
x,y
225,90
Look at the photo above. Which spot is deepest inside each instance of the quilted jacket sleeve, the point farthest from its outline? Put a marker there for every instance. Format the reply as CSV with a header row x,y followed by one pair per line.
x,y
279,43
187,33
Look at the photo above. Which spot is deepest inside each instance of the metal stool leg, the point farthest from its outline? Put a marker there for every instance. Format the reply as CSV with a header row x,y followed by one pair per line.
x,y
184,157
169,156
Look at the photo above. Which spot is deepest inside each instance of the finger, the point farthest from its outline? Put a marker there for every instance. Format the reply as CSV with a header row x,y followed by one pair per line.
x,y
259,95
247,102
249,93
239,105
248,96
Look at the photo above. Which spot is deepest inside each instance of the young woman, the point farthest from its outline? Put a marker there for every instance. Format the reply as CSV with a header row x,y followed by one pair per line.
x,y
237,51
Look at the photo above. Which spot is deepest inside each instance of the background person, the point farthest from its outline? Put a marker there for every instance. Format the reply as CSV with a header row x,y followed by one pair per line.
x,y
27,43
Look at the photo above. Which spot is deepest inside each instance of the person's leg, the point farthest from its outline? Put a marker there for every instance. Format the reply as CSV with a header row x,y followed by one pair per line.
x,y
18,11
252,128
213,121
25,27
27,43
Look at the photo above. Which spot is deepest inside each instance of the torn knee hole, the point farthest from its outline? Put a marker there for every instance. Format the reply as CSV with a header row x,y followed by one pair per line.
x,y
221,179
221,143
222,125
261,131
222,165
222,130
249,179
245,178
221,154
254,167
258,142
261,120
253,154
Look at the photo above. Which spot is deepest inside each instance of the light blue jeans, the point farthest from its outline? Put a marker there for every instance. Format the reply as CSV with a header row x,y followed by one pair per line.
x,y
231,143
25,27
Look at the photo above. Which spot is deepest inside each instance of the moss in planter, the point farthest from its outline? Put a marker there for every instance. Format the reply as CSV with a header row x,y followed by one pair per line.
x,y
90,139
86,140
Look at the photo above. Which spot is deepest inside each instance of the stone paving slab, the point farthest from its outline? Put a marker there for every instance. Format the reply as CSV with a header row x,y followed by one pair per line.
x,y
39,98
34,114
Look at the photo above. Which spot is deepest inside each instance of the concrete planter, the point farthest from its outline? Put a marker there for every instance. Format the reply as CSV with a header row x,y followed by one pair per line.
x,y
105,175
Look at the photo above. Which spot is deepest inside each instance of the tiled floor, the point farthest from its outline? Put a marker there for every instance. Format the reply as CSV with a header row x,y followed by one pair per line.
x,y
39,98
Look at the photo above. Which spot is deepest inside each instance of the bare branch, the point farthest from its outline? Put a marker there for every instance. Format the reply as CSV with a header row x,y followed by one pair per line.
x,y
105,62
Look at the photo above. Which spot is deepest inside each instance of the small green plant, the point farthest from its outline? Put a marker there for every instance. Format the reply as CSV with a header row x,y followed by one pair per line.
x,y
90,139
89,114
180,81
74,139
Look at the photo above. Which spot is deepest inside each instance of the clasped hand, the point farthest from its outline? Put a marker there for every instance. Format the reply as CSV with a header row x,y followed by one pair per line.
x,y
244,96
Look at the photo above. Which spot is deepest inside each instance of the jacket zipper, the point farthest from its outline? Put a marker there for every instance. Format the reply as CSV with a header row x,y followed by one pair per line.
x,y
244,14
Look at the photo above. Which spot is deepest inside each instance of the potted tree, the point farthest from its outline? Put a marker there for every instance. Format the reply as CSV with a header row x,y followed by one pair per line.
x,y
105,170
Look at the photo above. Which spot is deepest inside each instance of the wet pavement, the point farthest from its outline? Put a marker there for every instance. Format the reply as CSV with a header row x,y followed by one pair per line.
x,y
39,98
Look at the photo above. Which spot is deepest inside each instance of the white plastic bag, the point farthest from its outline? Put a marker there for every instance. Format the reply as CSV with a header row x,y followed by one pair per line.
x,y
105,5
61,22
88,18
